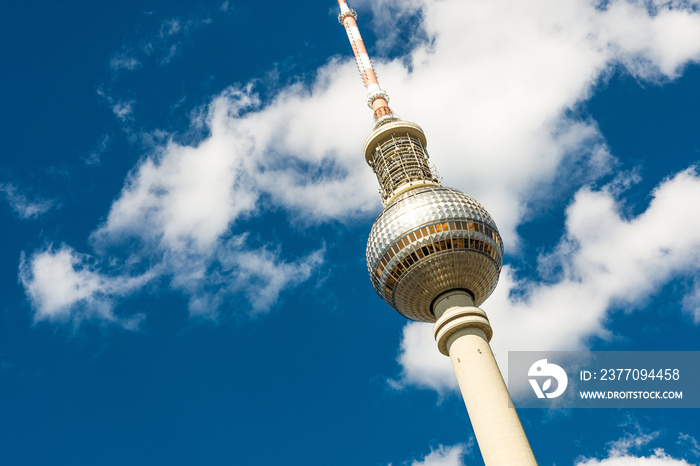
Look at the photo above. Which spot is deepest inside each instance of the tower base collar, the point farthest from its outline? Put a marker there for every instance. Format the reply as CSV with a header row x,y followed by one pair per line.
x,y
456,313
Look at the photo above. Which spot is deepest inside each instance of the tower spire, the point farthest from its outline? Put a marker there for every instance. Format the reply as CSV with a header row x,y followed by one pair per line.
x,y
377,98
396,149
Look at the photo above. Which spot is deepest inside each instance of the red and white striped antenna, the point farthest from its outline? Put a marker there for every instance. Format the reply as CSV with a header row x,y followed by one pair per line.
x,y
377,98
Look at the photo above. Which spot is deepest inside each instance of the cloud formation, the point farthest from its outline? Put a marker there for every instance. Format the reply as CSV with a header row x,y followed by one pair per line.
x,y
24,207
444,456
627,451
495,85
659,458
123,62
63,285
632,449
161,46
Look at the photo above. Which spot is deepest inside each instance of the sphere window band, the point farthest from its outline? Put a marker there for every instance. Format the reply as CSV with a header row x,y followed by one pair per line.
x,y
452,243
444,226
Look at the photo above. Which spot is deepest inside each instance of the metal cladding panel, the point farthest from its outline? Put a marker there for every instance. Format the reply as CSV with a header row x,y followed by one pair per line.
x,y
428,241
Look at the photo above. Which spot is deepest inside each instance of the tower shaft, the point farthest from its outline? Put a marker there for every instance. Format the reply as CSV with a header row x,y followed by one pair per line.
x,y
463,332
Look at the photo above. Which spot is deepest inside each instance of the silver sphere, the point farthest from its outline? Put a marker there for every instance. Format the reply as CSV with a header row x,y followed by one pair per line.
x,y
429,240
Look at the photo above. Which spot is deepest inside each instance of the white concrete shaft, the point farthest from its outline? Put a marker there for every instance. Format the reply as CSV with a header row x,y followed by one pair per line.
x,y
462,331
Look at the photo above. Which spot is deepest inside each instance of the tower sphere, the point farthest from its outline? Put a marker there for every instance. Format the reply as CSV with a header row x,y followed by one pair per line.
x,y
429,239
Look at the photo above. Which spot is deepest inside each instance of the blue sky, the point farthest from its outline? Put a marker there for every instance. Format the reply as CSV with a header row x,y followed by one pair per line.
x,y
185,208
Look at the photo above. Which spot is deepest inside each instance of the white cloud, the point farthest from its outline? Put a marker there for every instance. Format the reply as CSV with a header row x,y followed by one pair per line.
x,y
605,261
162,45
95,156
659,458
122,109
263,276
23,206
170,27
691,302
631,442
500,68
421,363
653,44
634,448
176,211
232,267
63,285
627,450
444,456
123,62
189,194
692,445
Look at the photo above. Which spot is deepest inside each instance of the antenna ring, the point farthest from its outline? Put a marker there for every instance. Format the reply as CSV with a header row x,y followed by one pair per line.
x,y
376,94
343,14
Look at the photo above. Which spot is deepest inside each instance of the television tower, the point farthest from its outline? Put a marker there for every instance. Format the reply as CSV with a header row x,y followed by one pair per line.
x,y
434,254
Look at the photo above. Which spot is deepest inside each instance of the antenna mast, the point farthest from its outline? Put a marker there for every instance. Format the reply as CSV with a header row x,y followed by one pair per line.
x,y
377,98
